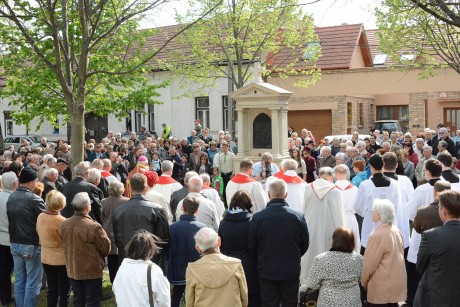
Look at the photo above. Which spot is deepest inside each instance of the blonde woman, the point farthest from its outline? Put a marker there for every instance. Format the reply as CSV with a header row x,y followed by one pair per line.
x,y
52,255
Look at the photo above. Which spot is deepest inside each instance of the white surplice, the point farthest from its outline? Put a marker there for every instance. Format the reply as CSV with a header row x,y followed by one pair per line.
x,y
348,193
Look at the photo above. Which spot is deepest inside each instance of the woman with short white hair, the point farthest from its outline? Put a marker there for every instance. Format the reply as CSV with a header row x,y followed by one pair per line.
x,y
384,272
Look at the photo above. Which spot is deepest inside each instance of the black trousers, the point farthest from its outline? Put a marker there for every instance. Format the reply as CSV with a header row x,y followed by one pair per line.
x,y
273,293
87,292
6,269
413,278
176,295
113,265
226,178
58,285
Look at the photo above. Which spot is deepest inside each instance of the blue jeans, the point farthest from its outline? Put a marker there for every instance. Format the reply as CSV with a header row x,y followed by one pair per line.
x,y
28,272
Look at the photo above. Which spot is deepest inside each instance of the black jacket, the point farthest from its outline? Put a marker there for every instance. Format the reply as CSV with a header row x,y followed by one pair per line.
x,y
437,262
176,197
234,234
279,238
71,188
136,214
23,208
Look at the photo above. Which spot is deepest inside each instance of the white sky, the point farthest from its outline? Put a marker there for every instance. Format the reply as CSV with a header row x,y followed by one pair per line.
x,y
325,12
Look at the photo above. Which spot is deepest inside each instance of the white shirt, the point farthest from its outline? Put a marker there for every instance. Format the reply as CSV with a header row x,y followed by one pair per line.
x,y
206,214
367,193
166,186
158,198
296,191
244,182
131,288
213,196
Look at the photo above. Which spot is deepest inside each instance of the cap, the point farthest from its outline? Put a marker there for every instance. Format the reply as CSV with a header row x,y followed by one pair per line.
x,y
142,159
307,149
62,161
310,142
27,175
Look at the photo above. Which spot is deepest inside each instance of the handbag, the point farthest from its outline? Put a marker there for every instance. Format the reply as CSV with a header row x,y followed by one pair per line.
x,y
149,284
308,297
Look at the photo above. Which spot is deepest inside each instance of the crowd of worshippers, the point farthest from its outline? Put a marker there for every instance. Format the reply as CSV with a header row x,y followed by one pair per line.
x,y
367,223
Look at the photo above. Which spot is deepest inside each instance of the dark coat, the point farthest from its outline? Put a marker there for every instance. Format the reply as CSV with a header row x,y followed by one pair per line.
x,y
234,233
208,168
176,197
48,187
139,213
23,208
427,217
78,185
119,168
310,164
279,238
182,247
450,146
437,262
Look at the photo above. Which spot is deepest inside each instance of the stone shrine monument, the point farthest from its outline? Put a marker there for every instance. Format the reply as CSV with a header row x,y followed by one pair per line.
x,y
262,120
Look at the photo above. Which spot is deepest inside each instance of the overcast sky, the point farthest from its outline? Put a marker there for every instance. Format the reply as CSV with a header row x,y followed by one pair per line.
x,y
325,12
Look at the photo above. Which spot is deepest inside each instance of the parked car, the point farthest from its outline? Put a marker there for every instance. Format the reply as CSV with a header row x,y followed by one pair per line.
x,y
329,138
16,141
389,126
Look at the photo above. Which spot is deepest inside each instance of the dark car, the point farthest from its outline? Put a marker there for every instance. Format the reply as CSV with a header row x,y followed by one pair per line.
x,y
389,126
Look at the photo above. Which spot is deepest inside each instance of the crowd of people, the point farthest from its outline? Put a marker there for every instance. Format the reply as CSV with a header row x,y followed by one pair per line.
x,y
174,223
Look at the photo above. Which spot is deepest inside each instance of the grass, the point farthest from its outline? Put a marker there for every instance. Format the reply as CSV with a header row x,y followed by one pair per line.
x,y
106,289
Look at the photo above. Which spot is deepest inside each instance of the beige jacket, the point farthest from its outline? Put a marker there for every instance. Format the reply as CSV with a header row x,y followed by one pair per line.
x,y
216,280
49,232
384,271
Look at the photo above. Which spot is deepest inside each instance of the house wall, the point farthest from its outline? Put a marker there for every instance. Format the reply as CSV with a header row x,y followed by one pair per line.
x,y
357,60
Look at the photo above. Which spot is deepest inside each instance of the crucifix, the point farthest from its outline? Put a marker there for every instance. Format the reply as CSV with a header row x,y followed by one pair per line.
x,y
257,72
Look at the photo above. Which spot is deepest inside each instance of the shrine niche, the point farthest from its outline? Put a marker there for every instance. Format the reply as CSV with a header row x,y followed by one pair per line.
x,y
262,132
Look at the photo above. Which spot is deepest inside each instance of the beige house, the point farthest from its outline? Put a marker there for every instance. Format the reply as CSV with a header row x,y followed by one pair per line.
x,y
360,85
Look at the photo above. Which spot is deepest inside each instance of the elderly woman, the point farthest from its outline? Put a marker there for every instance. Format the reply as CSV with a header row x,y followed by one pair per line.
x,y
234,232
336,273
131,287
384,272
52,255
109,205
409,168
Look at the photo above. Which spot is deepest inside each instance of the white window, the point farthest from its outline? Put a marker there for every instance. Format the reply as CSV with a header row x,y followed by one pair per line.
x,y
380,59
202,110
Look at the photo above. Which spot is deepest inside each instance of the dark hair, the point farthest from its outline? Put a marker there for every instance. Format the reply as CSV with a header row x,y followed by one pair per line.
x,y
434,167
343,240
190,205
451,201
138,183
376,162
359,165
390,161
143,245
445,159
16,167
204,155
241,199
245,164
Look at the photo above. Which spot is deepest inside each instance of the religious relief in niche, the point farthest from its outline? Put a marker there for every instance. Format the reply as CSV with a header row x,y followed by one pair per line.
x,y
262,131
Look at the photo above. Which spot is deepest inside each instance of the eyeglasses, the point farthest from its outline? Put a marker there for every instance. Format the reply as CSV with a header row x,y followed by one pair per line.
x,y
196,146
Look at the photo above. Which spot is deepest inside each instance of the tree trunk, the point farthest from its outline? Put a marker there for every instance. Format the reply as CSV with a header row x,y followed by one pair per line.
x,y
77,123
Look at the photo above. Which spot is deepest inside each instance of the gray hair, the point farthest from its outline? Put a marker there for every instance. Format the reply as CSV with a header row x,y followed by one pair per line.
x,y
289,164
80,202
195,184
443,144
82,169
51,160
97,163
205,177
50,171
326,171
46,157
420,140
116,188
106,163
341,156
361,143
94,175
385,209
166,166
342,169
206,239
443,129
8,180
189,175
267,156
277,188
426,147
324,148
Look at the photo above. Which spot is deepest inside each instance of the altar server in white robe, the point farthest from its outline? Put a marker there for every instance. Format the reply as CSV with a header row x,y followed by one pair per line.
x,y
243,181
348,193
390,163
295,184
166,185
381,187
324,212
447,173
212,194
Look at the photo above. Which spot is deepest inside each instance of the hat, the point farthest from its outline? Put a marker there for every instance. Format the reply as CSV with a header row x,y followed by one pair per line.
x,y
152,178
310,142
306,149
27,175
62,161
142,159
